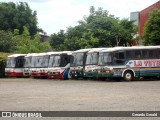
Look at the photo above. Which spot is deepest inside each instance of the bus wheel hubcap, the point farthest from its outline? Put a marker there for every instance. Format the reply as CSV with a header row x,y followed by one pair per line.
x,y
128,76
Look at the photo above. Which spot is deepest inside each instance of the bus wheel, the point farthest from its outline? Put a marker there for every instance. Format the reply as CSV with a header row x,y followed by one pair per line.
x,y
128,76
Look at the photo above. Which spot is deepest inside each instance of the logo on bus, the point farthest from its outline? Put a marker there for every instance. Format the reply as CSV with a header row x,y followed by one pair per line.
x,y
146,63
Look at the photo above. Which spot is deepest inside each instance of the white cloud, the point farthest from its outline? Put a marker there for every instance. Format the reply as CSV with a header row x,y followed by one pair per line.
x,y
54,15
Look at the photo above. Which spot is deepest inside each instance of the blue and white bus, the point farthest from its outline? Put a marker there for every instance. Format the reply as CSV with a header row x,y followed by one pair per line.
x,y
131,62
59,65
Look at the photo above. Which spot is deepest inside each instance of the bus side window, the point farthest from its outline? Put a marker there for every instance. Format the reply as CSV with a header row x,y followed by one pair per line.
x,y
130,55
145,54
119,58
137,54
153,54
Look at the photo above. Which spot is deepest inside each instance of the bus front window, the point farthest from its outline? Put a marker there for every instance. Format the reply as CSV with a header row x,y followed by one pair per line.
x,y
94,58
78,59
89,59
39,61
45,61
11,62
108,59
33,61
73,60
100,59
51,61
57,61
27,62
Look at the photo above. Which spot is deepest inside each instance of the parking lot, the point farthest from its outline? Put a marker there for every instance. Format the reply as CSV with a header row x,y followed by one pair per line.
x,y
78,95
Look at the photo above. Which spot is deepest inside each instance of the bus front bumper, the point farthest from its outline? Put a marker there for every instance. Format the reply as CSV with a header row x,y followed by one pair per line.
x,y
93,74
14,74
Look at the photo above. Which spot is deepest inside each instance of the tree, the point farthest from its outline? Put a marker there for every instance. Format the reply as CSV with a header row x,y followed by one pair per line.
x,y
24,43
15,16
99,29
152,29
6,43
57,40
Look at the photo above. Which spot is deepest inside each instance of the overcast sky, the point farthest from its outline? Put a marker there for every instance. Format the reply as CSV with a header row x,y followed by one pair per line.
x,y
54,15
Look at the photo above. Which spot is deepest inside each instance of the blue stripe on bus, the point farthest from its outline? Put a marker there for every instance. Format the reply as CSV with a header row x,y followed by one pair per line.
x,y
65,75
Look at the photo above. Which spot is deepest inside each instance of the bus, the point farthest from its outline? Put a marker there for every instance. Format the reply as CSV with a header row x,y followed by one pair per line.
x,y
131,62
91,66
59,65
28,64
14,65
40,67
78,63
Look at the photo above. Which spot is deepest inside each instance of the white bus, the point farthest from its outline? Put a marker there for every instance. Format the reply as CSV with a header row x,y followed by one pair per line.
x,y
131,62
29,63
91,66
40,67
59,65
78,63
14,66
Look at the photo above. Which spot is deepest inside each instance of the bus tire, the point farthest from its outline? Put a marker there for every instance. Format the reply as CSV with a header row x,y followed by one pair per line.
x,y
128,76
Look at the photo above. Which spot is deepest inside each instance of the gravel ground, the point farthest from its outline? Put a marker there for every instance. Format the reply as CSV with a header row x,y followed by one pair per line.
x,y
79,95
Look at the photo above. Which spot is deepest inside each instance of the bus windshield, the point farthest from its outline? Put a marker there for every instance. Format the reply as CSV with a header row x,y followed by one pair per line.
x,y
39,61
45,61
72,60
11,62
56,61
27,62
78,59
51,61
33,61
100,59
92,59
108,59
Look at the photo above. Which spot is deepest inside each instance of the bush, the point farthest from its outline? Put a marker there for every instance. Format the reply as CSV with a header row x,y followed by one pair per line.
x,y
3,58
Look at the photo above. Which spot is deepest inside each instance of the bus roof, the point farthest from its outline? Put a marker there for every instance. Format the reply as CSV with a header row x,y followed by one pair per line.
x,y
60,52
130,48
96,50
82,50
30,54
67,52
53,53
16,55
39,54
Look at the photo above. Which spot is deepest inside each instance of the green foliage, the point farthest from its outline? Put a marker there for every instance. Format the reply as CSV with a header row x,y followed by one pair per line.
x,y
15,16
6,43
25,44
99,29
152,29
3,57
57,40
